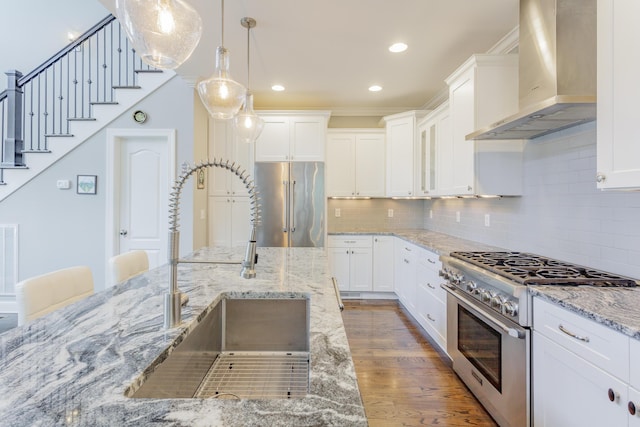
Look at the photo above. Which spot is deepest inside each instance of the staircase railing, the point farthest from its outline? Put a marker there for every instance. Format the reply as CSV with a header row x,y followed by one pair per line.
x,y
65,88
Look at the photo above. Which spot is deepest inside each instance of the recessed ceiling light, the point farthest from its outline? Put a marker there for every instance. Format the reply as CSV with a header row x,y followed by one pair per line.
x,y
398,47
375,88
277,88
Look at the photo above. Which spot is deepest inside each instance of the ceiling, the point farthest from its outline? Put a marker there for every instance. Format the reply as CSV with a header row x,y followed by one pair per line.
x,y
328,52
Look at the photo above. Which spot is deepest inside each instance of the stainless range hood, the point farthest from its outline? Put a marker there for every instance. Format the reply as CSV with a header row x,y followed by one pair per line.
x,y
557,70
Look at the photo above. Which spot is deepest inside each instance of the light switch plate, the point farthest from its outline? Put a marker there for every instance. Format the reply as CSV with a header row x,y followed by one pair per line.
x,y
337,213
63,184
487,220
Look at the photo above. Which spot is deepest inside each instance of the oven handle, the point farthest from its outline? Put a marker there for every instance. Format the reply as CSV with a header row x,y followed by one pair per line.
x,y
513,332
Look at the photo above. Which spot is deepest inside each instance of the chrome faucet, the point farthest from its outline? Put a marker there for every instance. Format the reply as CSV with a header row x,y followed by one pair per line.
x,y
173,298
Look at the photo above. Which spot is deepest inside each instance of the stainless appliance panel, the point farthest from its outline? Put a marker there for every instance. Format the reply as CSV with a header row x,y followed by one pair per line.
x,y
271,181
491,357
306,221
292,203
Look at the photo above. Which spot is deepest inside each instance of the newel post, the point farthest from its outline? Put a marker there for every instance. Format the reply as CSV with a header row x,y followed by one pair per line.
x,y
13,144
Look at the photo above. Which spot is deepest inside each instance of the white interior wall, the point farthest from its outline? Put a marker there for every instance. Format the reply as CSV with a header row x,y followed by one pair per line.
x,y
561,213
59,228
24,22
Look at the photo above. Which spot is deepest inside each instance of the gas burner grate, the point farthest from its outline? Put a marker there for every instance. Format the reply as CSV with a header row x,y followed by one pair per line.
x,y
531,269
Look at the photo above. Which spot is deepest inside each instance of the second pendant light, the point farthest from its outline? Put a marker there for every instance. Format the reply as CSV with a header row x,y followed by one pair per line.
x,y
221,95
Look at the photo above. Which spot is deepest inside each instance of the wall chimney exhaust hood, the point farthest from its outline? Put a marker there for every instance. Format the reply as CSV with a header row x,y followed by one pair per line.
x,y
557,70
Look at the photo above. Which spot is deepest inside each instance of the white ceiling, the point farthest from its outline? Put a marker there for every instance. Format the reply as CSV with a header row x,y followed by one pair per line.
x,y
327,53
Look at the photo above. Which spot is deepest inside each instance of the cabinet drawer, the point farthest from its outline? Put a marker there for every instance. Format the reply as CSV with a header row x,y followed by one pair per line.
x,y
430,281
602,346
432,315
350,241
429,259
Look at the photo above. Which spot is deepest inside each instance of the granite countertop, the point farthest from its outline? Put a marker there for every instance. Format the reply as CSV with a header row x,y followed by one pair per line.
x,y
440,243
72,366
617,308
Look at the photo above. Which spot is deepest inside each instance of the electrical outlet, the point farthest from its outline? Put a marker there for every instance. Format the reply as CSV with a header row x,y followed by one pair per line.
x,y
430,214
487,220
390,213
337,212
457,216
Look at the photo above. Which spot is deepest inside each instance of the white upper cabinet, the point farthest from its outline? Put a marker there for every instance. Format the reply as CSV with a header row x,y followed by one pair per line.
x,y
223,145
292,136
355,163
403,153
618,133
481,91
434,132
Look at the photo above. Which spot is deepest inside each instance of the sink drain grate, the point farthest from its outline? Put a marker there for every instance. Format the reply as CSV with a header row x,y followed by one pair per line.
x,y
257,375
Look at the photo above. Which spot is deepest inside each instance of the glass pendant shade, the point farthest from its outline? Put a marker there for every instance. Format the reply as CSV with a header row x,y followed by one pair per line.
x,y
247,123
220,94
164,33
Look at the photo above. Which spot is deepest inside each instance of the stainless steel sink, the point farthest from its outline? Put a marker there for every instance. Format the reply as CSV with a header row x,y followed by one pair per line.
x,y
254,348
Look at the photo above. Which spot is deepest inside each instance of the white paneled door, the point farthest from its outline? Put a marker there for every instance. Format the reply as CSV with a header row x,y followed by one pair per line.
x,y
143,173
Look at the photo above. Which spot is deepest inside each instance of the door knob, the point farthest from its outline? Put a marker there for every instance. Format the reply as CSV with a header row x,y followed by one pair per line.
x,y
123,232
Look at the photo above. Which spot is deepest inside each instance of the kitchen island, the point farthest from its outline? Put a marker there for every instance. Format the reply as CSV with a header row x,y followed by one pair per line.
x,y
72,367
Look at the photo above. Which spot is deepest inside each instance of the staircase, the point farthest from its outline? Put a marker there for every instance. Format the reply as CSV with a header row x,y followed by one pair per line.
x,y
73,95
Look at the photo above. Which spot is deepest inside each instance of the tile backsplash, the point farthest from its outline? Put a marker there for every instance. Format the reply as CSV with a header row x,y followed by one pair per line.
x,y
373,214
561,214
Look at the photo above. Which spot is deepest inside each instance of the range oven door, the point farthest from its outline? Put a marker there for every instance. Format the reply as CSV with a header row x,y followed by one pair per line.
x,y
491,355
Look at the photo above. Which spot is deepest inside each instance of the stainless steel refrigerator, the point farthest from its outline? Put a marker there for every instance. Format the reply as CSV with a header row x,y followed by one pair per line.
x,y
292,202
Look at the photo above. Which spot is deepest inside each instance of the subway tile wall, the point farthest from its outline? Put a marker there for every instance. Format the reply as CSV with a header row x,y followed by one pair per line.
x,y
373,214
561,213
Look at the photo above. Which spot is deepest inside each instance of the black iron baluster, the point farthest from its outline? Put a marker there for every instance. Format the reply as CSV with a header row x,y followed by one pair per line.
x,y
89,80
68,90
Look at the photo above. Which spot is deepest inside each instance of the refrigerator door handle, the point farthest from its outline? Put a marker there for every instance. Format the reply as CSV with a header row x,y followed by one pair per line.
x,y
285,208
293,204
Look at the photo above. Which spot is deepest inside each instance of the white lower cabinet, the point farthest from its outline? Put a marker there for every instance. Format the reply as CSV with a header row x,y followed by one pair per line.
x,y
405,274
568,391
350,260
581,373
390,264
431,299
383,263
229,224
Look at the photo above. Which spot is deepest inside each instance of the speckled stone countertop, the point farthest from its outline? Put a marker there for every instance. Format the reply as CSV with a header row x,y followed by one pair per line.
x,y
71,367
440,243
617,308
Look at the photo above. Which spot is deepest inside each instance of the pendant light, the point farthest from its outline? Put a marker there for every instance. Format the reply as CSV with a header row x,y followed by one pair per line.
x,y
220,94
164,33
247,123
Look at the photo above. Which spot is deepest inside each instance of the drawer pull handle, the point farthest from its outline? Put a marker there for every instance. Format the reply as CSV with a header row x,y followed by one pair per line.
x,y
406,261
431,261
631,407
572,335
430,318
431,286
613,396
407,249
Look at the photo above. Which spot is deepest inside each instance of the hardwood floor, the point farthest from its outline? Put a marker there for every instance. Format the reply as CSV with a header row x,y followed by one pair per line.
x,y
403,380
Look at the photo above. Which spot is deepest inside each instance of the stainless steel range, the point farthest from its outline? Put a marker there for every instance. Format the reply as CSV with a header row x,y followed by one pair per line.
x,y
489,320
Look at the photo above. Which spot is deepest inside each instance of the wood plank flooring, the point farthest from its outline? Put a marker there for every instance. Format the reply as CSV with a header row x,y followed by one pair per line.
x,y
403,380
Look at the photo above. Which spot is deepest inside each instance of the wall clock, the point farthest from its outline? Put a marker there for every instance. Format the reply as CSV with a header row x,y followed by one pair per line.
x,y
140,116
